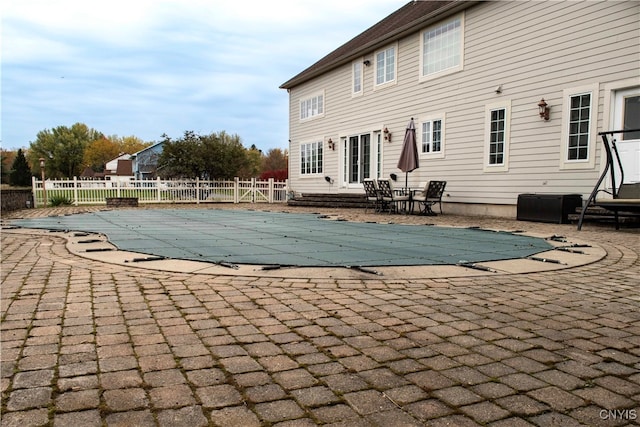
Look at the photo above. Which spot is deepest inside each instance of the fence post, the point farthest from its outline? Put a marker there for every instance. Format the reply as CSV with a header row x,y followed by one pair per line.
x,y
75,190
33,189
253,190
236,189
270,190
158,188
197,190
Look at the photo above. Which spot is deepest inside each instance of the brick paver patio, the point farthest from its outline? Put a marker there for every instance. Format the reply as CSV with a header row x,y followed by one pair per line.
x,y
87,343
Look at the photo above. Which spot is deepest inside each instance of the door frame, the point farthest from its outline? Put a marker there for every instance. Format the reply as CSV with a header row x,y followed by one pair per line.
x,y
632,176
375,157
608,118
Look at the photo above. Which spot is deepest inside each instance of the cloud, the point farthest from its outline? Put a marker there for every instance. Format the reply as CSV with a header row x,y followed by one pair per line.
x,y
148,67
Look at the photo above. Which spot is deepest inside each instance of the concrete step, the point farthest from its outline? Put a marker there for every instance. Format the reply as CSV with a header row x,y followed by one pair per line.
x,y
330,200
599,214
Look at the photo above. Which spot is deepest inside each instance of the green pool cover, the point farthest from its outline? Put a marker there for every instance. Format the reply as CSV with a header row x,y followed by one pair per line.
x,y
290,239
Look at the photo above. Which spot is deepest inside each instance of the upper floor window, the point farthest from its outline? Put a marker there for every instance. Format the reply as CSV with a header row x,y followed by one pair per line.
x,y
311,107
311,158
431,136
356,88
442,47
386,65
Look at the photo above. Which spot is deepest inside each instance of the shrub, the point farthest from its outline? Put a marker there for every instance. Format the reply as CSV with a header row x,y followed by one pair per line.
x,y
60,200
277,175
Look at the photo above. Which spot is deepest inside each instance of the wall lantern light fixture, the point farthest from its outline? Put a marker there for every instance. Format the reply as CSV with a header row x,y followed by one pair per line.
x,y
331,144
543,109
387,134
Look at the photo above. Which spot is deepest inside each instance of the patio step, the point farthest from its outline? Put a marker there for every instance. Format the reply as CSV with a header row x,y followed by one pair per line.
x,y
599,214
330,200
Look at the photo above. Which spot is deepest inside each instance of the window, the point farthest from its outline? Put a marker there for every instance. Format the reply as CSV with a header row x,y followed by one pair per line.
x,y
431,136
579,120
311,158
579,115
356,88
386,66
442,47
497,134
312,107
631,117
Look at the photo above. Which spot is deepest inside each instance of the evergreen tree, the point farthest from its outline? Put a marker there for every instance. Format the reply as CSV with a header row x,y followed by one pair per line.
x,y
20,174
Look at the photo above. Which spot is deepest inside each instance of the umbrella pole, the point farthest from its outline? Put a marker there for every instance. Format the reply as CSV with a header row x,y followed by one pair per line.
x,y
406,190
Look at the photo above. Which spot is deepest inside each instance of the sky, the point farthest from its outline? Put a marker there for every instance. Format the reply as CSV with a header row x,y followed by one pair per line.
x,y
146,68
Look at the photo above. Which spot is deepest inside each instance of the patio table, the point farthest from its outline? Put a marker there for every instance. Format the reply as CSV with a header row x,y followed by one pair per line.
x,y
410,191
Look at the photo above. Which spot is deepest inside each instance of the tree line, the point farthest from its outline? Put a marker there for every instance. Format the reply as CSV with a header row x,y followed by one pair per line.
x,y
68,151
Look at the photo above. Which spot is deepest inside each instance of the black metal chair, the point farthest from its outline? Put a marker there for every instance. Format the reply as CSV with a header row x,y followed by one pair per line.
x,y
390,199
431,195
373,196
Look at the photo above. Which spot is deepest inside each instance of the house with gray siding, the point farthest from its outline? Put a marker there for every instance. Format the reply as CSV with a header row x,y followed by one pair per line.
x,y
145,161
472,76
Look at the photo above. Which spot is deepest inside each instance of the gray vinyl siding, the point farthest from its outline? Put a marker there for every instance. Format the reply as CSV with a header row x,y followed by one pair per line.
x,y
533,49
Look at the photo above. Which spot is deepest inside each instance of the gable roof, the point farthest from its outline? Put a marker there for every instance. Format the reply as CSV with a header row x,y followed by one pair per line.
x,y
125,167
88,173
121,156
407,20
151,147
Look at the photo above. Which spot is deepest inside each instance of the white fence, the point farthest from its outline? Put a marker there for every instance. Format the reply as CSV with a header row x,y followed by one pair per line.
x,y
95,192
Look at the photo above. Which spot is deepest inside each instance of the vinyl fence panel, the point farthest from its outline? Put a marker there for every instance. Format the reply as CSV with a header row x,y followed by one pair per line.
x,y
95,192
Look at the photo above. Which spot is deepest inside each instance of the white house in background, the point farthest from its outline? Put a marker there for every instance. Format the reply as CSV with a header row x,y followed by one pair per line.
x,y
112,166
472,74
118,169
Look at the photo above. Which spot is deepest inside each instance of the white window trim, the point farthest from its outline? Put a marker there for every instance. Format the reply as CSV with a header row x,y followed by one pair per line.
x,y
358,62
459,67
431,118
395,68
316,174
311,96
506,105
589,162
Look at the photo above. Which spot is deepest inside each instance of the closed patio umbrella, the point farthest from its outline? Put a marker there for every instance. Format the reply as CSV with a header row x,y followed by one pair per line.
x,y
409,155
